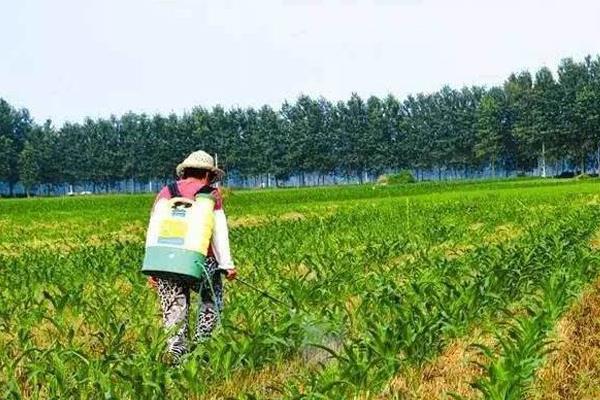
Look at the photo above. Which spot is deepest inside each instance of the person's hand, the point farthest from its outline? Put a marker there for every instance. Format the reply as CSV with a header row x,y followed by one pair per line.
x,y
231,274
152,282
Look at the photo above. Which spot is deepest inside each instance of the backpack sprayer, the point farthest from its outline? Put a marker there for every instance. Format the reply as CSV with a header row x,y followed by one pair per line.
x,y
170,250
179,235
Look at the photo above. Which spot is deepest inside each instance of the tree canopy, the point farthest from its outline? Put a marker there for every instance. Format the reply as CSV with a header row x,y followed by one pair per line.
x,y
529,122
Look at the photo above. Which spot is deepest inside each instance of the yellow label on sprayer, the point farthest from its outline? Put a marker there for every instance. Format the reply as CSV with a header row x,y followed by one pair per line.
x,y
182,223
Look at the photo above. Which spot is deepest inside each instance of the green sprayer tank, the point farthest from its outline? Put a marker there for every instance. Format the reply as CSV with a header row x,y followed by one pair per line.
x,y
179,236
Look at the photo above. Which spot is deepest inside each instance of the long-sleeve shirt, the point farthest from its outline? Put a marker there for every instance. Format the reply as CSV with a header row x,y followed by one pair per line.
x,y
219,246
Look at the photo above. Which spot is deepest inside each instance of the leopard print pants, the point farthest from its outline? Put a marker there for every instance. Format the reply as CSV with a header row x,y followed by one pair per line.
x,y
175,303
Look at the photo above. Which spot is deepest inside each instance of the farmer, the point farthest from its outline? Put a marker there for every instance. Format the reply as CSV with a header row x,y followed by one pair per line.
x,y
197,173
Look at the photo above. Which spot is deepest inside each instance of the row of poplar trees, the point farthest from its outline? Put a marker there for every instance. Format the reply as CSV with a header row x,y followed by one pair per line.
x,y
550,117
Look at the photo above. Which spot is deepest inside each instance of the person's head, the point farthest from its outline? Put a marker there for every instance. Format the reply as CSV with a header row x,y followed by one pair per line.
x,y
199,165
197,173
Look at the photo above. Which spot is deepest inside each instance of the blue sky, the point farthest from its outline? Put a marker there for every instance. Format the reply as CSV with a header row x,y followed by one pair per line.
x,y
69,59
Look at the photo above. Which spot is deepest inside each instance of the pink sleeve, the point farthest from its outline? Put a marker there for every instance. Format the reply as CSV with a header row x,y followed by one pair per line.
x,y
163,194
218,199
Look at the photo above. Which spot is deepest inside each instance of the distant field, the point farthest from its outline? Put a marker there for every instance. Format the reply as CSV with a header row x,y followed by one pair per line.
x,y
393,292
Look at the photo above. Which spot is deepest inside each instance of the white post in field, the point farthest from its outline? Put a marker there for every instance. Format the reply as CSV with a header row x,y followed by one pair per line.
x,y
598,159
543,159
217,165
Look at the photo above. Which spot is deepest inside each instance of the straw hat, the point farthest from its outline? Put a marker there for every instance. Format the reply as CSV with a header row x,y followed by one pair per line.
x,y
201,160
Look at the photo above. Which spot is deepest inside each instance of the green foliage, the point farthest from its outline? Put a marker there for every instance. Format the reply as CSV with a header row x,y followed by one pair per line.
x,y
14,127
402,177
6,152
29,167
530,121
377,280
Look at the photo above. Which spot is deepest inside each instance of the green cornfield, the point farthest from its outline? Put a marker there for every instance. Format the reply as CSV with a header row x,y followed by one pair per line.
x,y
380,287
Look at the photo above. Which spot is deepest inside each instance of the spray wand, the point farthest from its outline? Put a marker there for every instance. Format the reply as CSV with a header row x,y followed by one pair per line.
x,y
258,290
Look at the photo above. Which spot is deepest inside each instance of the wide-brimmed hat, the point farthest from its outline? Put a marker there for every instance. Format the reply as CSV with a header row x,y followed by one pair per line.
x,y
200,160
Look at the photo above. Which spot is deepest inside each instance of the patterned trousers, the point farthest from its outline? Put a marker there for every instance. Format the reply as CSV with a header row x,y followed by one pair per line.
x,y
175,303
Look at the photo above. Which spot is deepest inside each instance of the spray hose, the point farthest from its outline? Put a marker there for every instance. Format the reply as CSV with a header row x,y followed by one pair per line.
x,y
262,292
310,329
217,301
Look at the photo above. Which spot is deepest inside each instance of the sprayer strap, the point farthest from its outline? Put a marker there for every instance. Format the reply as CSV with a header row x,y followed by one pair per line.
x,y
174,190
206,189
